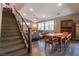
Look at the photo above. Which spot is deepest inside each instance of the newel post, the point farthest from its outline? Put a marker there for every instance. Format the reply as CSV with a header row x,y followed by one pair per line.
x,y
29,39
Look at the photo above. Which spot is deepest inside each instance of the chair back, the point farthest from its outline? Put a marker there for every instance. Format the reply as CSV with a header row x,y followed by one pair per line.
x,y
65,33
69,36
63,38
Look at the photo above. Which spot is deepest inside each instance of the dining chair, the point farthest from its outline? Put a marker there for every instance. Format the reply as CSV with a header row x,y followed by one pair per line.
x,y
65,40
62,42
50,41
68,38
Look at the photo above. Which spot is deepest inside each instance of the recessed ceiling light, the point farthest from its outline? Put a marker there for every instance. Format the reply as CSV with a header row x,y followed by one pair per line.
x,y
24,14
43,16
31,9
59,4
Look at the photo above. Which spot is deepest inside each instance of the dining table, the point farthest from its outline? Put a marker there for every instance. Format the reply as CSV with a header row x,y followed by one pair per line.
x,y
55,35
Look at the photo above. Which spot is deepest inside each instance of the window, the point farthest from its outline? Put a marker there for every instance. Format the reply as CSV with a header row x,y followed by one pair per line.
x,y
41,26
49,25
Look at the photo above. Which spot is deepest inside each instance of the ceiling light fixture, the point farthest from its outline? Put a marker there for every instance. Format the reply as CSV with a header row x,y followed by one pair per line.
x,y
24,14
34,20
59,4
43,16
31,9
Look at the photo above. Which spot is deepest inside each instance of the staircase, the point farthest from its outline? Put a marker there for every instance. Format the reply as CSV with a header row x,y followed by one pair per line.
x,y
11,42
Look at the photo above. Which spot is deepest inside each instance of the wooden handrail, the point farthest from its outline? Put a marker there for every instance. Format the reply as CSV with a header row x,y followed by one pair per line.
x,y
21,17
23,34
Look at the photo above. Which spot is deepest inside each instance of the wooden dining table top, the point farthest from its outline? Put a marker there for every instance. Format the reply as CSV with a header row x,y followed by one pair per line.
x,y
54,34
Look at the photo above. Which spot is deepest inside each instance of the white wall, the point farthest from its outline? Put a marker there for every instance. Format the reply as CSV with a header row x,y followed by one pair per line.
x,y
0,17
57,21
74,17
57,25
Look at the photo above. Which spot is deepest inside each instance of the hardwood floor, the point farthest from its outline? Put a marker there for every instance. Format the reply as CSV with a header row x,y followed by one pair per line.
x,y
38,49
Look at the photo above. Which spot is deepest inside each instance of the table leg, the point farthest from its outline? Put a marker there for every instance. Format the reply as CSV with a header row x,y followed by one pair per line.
x,y
57,45
61,44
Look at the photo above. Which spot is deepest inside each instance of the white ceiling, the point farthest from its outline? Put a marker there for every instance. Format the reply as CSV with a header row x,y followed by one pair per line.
x,y
19,5
49,10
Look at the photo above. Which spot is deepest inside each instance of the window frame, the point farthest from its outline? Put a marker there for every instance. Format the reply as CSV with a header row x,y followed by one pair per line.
x,y
50,25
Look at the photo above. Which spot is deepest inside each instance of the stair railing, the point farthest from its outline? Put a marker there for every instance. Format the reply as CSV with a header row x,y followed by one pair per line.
x,y
24,29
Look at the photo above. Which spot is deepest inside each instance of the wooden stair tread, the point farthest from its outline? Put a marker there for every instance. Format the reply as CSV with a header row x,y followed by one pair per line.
x,y
10,38
10,34
11,48
18,53
11,31
11,42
